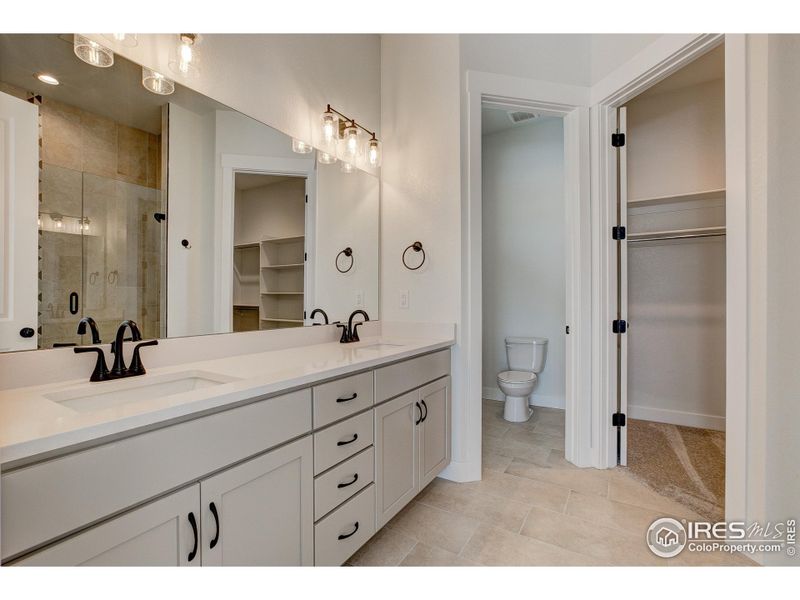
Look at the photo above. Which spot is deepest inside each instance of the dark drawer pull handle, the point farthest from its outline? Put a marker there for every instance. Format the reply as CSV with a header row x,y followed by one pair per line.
x,y
193,523
425,406
419,408
353,397
351,534
349,483
355,437
213,508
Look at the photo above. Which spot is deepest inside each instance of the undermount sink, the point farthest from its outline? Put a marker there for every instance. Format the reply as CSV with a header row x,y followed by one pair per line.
x,y
380,346
99,396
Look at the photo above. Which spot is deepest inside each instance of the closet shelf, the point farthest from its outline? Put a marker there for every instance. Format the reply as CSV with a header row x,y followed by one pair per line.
x,y
246,245
281,293
702,195
286,266
284,240
676,234
277,320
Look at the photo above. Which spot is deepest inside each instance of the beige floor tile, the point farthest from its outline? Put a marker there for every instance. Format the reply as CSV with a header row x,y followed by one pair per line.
x,y
531,437
429,556
435,527
624,488
612,546
608,513
556,429
497,430
521,489
506,447
387,548
588,481
464,500
493,546
495,462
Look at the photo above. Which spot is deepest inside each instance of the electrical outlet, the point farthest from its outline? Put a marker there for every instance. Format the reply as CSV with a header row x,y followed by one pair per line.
x,y
404,301
359,298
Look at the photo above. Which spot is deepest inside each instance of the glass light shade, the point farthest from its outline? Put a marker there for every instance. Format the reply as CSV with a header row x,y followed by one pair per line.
x,y
155,82
372,152
351,144
92,53
348,167
330,129
326,158
184,58
300,147
129,40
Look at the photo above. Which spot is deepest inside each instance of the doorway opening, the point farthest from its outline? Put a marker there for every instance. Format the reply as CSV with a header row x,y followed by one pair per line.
x,y
524,289
671,288
269,252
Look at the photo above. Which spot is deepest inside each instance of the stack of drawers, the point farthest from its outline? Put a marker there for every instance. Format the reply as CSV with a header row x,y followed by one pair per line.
x,y
344,467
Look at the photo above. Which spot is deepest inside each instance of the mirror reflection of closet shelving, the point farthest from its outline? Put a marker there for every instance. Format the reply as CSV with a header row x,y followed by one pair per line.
x,y
674,171
282,275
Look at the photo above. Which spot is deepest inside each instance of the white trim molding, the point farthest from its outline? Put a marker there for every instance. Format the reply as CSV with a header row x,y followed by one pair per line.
x,y
676,417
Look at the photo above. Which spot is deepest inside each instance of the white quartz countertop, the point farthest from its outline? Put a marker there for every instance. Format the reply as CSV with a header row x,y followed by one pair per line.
x,y
32,423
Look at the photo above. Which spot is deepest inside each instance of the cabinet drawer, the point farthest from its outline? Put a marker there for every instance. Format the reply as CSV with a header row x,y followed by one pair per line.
x,y
341,482
401,377
338,399
52,498
341,441
345,530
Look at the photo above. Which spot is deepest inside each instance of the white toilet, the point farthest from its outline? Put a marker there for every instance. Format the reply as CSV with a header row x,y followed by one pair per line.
x,y
526,357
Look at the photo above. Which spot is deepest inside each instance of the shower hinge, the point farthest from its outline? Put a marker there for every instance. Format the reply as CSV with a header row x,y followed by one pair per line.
x,y
618,232
618,420
619,326
617,140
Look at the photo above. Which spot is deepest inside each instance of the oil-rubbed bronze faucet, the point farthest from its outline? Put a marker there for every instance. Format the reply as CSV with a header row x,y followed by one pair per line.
x,y
119,370
350,331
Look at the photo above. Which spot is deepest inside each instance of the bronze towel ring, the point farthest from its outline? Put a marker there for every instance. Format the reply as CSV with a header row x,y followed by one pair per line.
x,y
416,247
349,253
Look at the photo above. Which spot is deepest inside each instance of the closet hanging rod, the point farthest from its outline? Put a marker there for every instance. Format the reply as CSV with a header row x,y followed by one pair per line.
x,y
685,236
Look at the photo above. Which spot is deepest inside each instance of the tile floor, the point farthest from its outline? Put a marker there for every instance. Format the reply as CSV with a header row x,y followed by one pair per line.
x,y
532,507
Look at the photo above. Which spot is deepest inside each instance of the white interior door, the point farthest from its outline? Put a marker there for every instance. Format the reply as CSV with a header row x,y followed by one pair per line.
x,y
622,297
19,183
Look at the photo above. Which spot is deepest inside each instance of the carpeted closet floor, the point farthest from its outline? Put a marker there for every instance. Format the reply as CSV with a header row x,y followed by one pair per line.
x,y
685,464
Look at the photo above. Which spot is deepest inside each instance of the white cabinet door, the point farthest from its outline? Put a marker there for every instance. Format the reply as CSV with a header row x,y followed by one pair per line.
x,y
261,513
396,459
162,533
19,205
434,430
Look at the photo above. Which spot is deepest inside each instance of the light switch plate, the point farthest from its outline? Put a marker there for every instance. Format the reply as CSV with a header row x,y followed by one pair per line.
x,y
359,298
404,300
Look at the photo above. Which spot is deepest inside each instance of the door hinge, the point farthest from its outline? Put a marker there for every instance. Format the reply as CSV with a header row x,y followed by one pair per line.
x,y
619,326
617,140
618,420
618,232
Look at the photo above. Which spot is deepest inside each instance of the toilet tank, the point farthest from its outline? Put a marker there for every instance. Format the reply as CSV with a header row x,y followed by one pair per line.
x,y
526,353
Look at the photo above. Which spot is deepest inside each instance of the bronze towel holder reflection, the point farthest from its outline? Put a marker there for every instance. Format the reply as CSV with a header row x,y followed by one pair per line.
x,y
349,253
416,247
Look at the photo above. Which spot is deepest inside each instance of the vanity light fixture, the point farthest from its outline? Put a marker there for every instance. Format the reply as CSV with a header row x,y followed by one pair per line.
x,y
46,78
326,158
129,40
184,58
348,167
58,220
300,147
91,52
155,82
342,135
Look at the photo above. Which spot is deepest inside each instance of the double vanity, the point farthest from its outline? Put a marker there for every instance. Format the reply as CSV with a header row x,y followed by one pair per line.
x,y
294,456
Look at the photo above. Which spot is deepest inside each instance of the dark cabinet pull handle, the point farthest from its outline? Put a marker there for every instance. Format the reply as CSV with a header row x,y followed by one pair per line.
x,y
355,437
353,397
193,523
425,406
351,534
419,408
73,303
27,332
213,508
349,483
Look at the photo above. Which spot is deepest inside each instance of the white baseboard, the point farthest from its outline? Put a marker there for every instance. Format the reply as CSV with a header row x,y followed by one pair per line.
x,y
494,393
676,417
461,472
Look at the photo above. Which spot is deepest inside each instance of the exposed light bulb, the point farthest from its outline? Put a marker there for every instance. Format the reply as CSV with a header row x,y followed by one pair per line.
x,y
300,147
155,82
47,78
128,40
184,58
348,167
326,158
91,52
374,152
39,221
351,142
330,127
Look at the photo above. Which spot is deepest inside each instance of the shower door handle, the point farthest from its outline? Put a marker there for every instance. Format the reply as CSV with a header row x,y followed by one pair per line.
x,y
73,303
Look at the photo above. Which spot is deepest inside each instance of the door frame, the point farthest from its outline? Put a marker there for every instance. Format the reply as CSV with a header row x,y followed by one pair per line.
x,y
570,103
223,252
655,63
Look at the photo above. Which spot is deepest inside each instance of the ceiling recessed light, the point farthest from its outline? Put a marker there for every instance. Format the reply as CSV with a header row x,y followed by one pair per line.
x,y
47,78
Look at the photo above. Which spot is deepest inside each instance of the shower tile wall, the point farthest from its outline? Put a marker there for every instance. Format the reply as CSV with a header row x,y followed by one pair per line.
x,y
107,176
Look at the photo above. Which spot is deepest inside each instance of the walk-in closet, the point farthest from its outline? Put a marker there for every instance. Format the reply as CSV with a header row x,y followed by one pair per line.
x,y
672,277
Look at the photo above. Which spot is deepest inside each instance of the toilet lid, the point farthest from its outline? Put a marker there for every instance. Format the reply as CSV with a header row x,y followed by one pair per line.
x,y
517,376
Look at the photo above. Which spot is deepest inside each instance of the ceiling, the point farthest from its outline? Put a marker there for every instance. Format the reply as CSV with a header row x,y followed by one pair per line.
x,y
709,67
115,92
494,120
249,181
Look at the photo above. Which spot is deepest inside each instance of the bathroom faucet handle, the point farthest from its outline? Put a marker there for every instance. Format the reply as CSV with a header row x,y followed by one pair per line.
x,y
345,333
100,372
136,367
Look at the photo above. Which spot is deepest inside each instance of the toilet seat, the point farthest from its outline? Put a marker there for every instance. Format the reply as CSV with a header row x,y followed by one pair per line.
x,y
516,377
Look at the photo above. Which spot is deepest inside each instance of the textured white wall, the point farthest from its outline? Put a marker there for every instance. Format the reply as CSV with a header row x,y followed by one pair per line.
x,y
523,250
